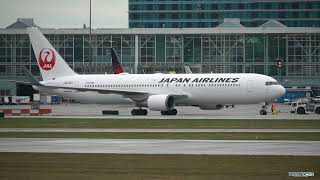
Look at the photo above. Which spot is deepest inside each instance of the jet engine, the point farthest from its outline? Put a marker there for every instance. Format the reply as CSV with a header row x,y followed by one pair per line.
x,y
211,107
160,102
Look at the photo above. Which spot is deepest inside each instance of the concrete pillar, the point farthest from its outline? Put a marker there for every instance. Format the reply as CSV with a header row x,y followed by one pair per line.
x,y
136,54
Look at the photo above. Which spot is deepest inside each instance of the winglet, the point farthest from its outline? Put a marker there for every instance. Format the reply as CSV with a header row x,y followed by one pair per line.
x,y
187,70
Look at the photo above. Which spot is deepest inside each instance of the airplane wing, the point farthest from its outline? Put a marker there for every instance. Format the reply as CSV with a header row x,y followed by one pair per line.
x,y
134,95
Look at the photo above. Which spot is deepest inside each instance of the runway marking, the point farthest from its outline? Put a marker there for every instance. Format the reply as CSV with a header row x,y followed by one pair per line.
x,y
149,130
154,146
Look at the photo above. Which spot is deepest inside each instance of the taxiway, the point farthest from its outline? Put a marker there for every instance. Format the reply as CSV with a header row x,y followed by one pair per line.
x,y
151,130
153,146
74,110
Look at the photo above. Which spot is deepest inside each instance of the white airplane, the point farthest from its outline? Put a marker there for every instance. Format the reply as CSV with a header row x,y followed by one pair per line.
x,y
160,92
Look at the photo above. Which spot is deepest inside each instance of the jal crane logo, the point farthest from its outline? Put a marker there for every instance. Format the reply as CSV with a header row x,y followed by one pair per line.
x,y
47,59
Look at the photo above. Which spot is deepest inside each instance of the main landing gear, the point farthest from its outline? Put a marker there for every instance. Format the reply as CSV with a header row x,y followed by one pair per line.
x,y
139,112
171,112
144,112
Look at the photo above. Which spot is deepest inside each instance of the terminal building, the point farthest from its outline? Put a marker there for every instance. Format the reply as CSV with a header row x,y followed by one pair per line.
x,y
230,47
211,13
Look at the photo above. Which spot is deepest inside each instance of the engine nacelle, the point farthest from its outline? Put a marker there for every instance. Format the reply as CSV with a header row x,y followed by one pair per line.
x,y
211,107
160,102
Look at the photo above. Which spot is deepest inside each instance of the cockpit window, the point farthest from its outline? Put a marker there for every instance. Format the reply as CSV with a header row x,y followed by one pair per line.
x,y
270,83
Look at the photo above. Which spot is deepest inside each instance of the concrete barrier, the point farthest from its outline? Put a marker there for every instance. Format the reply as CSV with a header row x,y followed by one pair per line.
x,y
26,112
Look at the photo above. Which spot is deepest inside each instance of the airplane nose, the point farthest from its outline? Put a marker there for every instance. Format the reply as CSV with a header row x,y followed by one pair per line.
x,y
276,92
279,91
282,90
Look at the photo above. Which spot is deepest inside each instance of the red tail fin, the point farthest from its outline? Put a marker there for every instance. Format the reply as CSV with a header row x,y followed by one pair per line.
x,y
117,68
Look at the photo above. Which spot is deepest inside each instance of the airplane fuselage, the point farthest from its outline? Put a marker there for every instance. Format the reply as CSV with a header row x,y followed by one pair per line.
x,y
200,89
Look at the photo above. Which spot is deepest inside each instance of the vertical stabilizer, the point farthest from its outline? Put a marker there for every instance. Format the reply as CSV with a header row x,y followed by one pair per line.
x,y
51,64
117,68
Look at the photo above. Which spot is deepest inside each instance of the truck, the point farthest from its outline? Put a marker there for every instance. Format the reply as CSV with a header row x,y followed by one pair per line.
x,y
316,99
302,108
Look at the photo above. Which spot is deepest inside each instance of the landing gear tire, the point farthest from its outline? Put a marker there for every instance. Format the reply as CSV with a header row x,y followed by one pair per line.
x,y
264,107
301,110
171,112
263,112
139,112
317,111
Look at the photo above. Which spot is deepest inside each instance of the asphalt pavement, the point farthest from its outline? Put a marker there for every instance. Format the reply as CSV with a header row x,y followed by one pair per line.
x,y
153,146
113,130
75,110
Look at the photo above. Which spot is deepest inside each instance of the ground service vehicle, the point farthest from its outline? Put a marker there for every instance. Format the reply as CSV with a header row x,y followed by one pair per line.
x,y
303,108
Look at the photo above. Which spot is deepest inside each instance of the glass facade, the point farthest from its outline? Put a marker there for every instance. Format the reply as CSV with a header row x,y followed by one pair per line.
x,y
233,50
205,52
210,13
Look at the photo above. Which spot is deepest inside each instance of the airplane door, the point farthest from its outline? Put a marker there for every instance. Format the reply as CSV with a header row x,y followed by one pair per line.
x,y
255,89
76,84
250,86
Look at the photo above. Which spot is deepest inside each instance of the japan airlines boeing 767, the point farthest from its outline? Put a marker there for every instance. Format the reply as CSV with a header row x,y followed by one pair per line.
x,y
161,92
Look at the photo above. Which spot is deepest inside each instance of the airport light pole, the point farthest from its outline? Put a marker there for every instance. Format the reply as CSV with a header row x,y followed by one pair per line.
x,y
280,65
260,12
90,39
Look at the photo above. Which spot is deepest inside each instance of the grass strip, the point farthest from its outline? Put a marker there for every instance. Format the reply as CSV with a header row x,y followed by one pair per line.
x,y
163,123
171,135
52,166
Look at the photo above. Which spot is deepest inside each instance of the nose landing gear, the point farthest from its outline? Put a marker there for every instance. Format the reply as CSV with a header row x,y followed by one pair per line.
x,y
263,112
264,108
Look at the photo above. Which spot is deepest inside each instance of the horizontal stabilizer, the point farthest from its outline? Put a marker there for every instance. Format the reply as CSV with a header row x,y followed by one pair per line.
x,y
30,77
